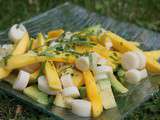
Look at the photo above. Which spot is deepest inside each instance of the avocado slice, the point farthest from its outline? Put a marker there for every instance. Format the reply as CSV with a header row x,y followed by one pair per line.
x,y
36,94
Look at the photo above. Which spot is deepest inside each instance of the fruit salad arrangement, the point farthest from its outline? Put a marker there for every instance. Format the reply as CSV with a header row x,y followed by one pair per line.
x,y
80,69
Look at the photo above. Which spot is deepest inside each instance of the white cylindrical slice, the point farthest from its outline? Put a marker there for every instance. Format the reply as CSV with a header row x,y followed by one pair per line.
x,y
133,76
17,32
144,73
130,60
71,92
100,76
82,63
22,80
103,69
67,80
81,108
141,58
44,87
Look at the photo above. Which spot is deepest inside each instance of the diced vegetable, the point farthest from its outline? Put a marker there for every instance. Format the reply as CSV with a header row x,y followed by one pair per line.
x,y
22,80
52,77
83,93
71,92
17,32
60,101
81,108
34,93
108,100
67,80
116,84
133,76
133,60
82,63
130,61
93,94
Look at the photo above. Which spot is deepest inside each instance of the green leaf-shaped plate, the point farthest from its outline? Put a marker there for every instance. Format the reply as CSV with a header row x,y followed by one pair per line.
x,y
73,18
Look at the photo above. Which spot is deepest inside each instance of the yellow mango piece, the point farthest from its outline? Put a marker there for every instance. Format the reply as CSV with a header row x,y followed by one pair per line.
x,y
101,50
77,78
22,46
4,73
155,54
55,33
41,42
19,61
123,45
52,77
93,94
152,65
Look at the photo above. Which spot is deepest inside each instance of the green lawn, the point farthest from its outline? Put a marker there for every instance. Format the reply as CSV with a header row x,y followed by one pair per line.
x,y
145,13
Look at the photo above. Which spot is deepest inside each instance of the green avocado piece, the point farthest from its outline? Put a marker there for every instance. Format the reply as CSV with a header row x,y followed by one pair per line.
x,y
83,93
36,94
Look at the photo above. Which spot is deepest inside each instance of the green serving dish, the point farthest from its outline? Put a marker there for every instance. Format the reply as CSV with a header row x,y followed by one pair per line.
x,y
73,18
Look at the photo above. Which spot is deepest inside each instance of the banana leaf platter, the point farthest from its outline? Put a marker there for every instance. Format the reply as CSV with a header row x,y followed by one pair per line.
x,y
73,18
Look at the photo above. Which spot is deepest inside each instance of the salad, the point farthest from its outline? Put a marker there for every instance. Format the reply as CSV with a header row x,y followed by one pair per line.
x,y
78,69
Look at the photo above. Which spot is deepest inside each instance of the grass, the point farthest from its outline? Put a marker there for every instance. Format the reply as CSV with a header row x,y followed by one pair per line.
x,y
141,12
144,13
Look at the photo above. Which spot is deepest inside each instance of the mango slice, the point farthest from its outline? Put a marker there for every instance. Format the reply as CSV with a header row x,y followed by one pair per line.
x,y
52,76
22,46
93,94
